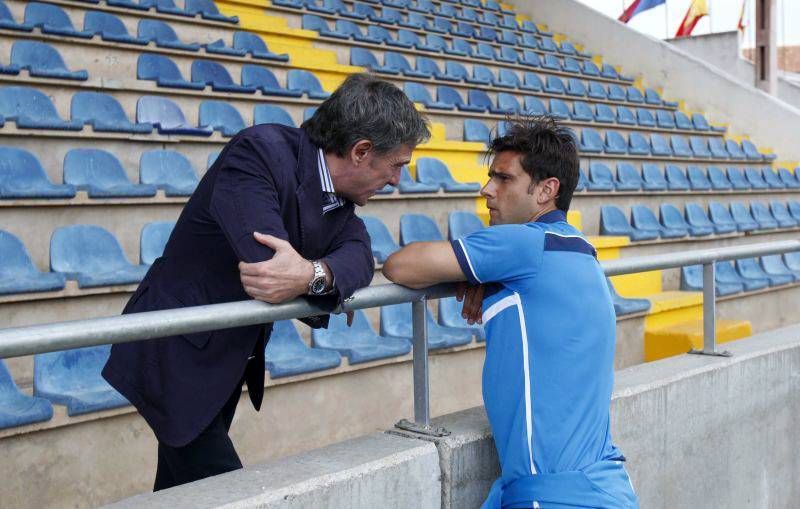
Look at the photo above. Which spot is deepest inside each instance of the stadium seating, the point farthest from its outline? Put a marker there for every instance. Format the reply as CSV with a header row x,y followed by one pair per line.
x,y
600,177
261,78
725,272
673,219
408,185
256,47
110,28
104,114
625,306
396,323
22,176
782,215
51,19
287,355
742,216
628,178
166,116
220,116
358,343
614,222
434,172
381,240
31,109
72,378
42,60
698,220
92,256
217,77
460,223
153,239
692,281
750,269
163,71
8,22
775,268
762,216
207,10
18,273
643,219
164,35
168,170
271,114
418,228
450,316
305,82
17,408
101,174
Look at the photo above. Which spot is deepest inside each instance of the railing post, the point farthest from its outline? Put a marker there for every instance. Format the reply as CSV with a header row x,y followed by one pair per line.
x,y
422,405
709,314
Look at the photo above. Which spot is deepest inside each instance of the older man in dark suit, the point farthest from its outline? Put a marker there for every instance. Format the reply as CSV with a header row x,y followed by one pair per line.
x,y
272,219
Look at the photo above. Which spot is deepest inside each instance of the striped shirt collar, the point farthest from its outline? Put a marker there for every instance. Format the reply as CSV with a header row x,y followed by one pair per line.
x,y
332,201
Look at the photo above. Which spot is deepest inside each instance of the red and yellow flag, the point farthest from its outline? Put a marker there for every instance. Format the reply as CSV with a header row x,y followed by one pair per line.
x,y
740,26
697,10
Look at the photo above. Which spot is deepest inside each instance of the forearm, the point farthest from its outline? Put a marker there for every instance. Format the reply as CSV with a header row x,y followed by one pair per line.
x,y
422,264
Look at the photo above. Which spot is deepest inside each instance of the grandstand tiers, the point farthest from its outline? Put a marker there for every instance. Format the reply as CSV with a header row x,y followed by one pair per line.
x,y
112,110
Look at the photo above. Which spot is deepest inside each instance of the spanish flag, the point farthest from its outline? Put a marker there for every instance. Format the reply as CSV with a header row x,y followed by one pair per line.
x,y
638,6
697,10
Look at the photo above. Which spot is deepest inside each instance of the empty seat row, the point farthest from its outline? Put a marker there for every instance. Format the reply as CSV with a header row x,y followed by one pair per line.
x,y
694,221
658,145
41,61
694,178
746,274
98,172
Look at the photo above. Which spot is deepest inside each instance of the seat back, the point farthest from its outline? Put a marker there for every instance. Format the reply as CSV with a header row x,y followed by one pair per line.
x,y
482,73
383,243
259,76
697,178
671,217
210,73
304,81
508,77
16,102
507,102
97,107
153,239
720,214
68,371
676,178
249,42
221,116
85,249
19,169
166,167
615,143
39,14
152,67
659,146
651,174
718,178
696,215
475,130
479,98
461,223
699,122
448,95
680,146
613,221
599,173
418,228
428,66
628,173
643,218
591,139
14,258
433,171
37,56
271,114
455,70
159,111
84,167
155,30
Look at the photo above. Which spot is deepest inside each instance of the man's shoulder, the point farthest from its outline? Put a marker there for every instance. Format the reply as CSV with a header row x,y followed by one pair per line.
x,y
273,133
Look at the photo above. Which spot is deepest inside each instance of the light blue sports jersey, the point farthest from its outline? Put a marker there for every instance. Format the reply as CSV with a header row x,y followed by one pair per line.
x,y
549,368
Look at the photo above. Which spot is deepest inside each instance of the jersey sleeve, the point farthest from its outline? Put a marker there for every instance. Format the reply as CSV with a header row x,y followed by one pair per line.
x,y
500,253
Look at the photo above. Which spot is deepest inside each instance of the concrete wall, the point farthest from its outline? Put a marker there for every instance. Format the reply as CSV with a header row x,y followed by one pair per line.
x,y
723,51
703,86
698,431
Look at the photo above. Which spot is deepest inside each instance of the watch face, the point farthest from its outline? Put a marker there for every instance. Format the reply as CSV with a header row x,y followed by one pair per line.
x,y
318,286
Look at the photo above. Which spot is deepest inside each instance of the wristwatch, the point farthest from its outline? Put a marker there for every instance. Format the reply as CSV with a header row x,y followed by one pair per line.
x,y
317,284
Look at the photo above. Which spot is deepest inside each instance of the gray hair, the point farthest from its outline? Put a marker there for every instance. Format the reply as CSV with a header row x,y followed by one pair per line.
x,y
366,108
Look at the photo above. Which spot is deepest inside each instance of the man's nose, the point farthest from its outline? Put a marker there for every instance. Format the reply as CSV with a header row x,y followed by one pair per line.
x,y
487,190
395,178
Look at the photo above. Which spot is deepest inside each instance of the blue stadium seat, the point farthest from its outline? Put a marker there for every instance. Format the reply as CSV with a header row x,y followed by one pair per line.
x,y
692,281
614,222
271,114
217,77
755,178
507,54
166,116
456,71
364,58
460,223
604,114
653,178
652,97
22,176
475,130
450,317
615,143
554,85
534,106
489,34
507,78
255,45
638,144
483,75
450,96
17,408
789,179
382,242
18,274
645,118
507,21
509,37
717,147
781,214
794,209
763,216
680,147
212,158
418,228
101,174
725,272
430,68
72,378
359,343
750,151
163,71
368,12
51,19
434,172
286,354
673,219
104,114
635,95
165,7
665,119
482,51
530,59
749,268
426,6
433,42
743,218
582,112
735,151
589,68
7,20
42,60
547,44
792,261
676,178
591,142
698,180
153,239
737,179
659,146
415,20
625,306
625,116
597,91
643,219
408,185
396,323
719,181
168,170
699,122
616,93
700,224
551,62
261,78
220,116
309,112
31,109
306,82
398,63
417,93
683,122
208,10
583,182
481,99
379,34
628,178
722,218
558,109
342,30
600,177
219,47
775,268
163,35
699,146
575,88
772,179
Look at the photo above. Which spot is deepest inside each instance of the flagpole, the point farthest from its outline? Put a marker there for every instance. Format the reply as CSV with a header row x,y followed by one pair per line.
x,y
666,21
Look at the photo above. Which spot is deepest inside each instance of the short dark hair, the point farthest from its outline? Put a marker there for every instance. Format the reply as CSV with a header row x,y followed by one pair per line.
x,y
366,108
548,150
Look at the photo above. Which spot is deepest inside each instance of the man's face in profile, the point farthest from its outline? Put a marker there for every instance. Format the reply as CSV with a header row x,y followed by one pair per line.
x,y
507,191
371,172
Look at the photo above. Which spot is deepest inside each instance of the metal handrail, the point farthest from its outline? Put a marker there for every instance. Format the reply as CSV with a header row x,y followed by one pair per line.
x,y
19,341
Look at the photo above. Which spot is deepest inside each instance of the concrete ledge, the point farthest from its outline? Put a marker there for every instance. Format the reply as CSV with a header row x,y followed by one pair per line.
x,y
373,471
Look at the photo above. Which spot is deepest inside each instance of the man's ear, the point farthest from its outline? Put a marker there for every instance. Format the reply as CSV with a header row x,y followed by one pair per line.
x,y
360,150
550,189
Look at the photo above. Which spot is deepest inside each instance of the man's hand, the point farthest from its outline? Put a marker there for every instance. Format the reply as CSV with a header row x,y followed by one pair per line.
x,y
285,276
472,296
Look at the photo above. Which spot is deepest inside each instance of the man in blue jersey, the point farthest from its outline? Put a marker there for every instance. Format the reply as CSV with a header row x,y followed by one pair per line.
x,y
550,326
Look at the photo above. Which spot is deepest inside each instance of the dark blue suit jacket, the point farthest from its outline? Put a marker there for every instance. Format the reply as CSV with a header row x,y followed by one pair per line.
x,y
266,180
